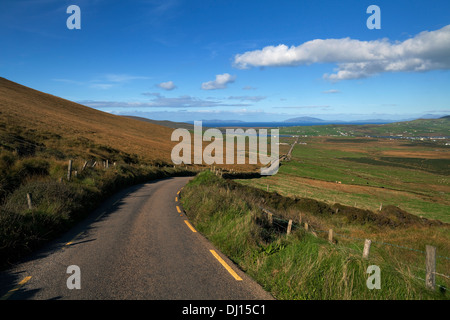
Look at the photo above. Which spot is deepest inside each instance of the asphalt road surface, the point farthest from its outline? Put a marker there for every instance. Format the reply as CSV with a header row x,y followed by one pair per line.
x,y
137,245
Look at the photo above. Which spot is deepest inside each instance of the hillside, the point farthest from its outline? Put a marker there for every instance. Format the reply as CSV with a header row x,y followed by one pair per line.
x,y
49,121
165,123
40,135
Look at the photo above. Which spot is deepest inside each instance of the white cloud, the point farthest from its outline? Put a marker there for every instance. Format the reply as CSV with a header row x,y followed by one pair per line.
x,y
105,81
159,101
121,78
331,91
103,86
169,85
247,98
428,50
305,107
221,82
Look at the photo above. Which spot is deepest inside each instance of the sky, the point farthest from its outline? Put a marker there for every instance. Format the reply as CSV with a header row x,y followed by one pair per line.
x,y
264,60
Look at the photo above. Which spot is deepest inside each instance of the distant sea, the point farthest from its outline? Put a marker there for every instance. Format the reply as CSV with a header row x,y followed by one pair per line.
x,y
280,124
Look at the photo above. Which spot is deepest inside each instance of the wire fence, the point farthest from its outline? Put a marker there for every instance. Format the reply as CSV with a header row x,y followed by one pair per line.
x,y
281,223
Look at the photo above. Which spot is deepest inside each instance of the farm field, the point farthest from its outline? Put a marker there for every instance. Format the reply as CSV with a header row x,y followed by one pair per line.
x,y
367,173
416,128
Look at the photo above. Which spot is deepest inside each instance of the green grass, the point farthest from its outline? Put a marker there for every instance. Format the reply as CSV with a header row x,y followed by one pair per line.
x,y
367,173
416,128
298,266
57,204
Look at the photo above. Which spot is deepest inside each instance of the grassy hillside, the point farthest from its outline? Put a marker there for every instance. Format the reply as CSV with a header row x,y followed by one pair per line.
x,y
53,123
304,265
39,134
165,123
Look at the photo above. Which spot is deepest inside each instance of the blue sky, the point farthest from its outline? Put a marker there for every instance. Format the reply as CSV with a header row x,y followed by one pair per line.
x,y
186,60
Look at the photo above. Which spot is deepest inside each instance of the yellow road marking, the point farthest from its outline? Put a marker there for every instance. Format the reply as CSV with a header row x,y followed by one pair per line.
x,y
178,192
178,209
190,226
16,288
176,199
226,266
71,241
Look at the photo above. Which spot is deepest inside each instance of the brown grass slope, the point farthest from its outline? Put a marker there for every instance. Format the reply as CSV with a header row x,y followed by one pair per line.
x,y
26,109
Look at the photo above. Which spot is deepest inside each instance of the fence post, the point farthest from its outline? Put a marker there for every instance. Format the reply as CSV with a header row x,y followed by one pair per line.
x,y
69,170
430,281
306,226
289,227
270,218
300,218
29,201
366,250
330,235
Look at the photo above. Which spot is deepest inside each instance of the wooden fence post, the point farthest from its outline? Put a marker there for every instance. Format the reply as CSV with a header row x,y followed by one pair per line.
x,y
300,218
270,218
330,235
366,250
430,281
69,170
29,201
289,227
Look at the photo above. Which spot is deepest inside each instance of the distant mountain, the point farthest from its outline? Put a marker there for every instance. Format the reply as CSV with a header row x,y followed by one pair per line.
x,y
165,123
305,119
431,116
218,121
445,117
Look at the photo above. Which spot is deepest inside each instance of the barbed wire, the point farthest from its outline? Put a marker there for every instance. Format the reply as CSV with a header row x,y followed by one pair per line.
x,y
351,237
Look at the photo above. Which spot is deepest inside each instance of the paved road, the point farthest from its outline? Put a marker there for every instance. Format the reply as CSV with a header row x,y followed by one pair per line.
x,y
135,246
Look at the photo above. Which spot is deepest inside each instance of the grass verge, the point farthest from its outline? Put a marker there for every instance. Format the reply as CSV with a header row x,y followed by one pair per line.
x,y
301,265
58,204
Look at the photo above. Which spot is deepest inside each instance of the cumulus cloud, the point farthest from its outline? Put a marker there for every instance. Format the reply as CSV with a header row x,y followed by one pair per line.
x,y
428,50
169,85
221,82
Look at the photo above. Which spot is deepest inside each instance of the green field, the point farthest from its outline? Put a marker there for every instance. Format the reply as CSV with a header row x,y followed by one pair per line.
x,y
416,128
304,265
367,173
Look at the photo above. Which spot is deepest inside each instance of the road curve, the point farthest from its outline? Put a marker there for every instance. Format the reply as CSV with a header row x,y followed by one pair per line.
x,y
136,246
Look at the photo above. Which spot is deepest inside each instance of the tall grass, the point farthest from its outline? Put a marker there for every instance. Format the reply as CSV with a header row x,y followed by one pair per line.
x,y
57,204
298,266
